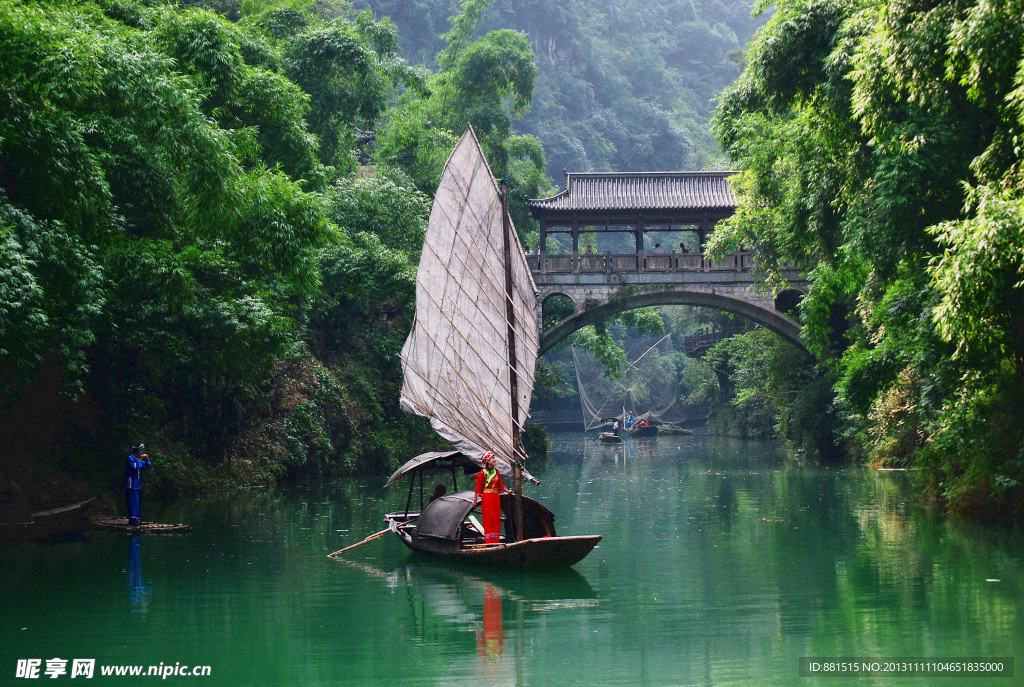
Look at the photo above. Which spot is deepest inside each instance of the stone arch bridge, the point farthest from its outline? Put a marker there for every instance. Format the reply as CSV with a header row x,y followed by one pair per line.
x,y
646,206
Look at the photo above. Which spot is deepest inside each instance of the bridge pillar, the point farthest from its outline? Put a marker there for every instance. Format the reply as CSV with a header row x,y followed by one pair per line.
x,y
542,249
640,244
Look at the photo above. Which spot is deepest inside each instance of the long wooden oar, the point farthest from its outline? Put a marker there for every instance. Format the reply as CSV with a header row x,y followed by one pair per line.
x,y
378,535
365,541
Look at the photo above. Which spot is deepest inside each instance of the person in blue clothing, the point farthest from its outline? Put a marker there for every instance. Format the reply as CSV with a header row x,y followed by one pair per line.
x,y
137,462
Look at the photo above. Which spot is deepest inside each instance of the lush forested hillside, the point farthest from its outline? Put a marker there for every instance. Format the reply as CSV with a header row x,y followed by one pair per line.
x,y
621,85
192,252
202,248
880,147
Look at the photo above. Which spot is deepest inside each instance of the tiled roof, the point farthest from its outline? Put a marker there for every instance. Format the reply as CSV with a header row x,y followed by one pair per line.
x,y
640,191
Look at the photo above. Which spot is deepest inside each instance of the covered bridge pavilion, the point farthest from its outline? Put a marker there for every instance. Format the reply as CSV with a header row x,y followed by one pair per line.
x,y
636,202
646,202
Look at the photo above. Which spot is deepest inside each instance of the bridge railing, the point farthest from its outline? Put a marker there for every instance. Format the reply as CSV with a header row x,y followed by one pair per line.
x,y
690,261
635,262
663,262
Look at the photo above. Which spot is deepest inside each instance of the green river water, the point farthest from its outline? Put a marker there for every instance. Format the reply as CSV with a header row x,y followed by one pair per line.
x,y
723,562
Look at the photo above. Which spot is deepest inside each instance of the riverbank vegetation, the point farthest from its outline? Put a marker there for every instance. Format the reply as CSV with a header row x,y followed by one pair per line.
x,y
879,142
621,86
211,212
198,249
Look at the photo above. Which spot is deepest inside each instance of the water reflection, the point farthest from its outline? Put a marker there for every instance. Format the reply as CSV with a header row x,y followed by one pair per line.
x,y
722,562
139,593
641,448
498,608
596,451
628,452
490,634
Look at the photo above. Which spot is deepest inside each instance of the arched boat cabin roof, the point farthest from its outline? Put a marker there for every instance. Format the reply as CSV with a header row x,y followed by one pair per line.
x,y
440,460
442,518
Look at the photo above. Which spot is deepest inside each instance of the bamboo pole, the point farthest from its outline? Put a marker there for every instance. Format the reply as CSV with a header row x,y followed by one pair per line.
x,y
517,469
369,539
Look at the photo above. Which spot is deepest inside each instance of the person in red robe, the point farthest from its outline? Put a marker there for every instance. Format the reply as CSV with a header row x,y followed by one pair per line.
x,y
489,489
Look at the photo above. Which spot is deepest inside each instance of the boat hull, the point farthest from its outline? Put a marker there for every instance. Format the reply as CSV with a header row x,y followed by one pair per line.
x,y
46,524
546,552
648,431
609,438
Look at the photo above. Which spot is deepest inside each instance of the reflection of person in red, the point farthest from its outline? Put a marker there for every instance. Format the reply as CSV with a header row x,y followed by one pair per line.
x,y
489,489
491,642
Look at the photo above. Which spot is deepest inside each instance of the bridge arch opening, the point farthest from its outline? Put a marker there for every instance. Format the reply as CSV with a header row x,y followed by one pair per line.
x,y
780,323
556,308
787,301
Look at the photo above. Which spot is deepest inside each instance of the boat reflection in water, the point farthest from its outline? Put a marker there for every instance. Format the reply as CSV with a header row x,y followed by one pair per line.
x,y
497,606
139,593
490,635
607,454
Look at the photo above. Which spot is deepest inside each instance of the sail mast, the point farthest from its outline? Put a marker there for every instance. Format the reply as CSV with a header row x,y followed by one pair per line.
x,y
513,374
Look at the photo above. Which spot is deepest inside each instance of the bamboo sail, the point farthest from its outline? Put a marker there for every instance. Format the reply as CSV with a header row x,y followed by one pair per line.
x,y
456,359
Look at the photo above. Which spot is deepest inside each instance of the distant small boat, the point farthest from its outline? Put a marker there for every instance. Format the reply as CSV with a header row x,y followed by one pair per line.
x,y
643,430
114,524
610,431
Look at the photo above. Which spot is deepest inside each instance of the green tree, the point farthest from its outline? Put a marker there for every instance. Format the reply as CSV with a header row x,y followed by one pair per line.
x,y
396,213
877,138
485,83
143,253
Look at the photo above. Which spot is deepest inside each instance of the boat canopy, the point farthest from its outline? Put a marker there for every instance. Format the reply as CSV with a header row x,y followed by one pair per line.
x,y
435,459
444,460
443,517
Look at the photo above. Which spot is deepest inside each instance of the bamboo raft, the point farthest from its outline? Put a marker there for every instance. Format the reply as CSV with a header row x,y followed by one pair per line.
x,y
122,525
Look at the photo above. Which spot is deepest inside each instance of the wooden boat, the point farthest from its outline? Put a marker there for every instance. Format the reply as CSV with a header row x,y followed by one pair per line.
x,y
446,527
643,430
104,522
468,367
610,434
18,523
